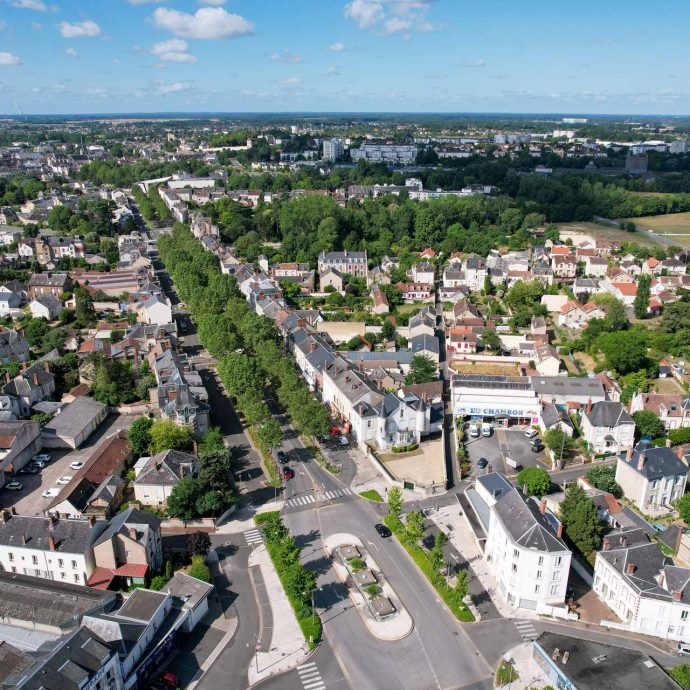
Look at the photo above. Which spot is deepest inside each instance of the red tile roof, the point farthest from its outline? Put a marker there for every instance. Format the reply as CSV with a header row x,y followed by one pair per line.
x,y
132,570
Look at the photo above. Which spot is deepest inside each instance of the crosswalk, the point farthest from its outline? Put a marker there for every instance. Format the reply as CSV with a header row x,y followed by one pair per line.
x,y
318,498
526,630
310,677
254,537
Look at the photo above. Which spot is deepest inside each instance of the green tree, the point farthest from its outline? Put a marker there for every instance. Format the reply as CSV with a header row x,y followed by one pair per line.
x,y
436,553
579,517
681,674
139,435
387,330
85,314
625,351
414,526
157,583
199,569
536,480
183,499
166,434
395,500
422,370
270,434
491,340
648,424
198,544
641,303
559,442
683,507
462,584
604,479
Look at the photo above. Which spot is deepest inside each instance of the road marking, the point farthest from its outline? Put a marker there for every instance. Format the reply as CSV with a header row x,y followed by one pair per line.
x,y
319,497
253,537
310,677
526,630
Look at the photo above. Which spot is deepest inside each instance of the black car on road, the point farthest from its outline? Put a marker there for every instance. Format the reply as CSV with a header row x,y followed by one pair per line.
x,y
382,530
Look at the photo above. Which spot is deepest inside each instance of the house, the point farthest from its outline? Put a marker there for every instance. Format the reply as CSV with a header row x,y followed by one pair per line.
x,y
625,292
571,315
546,358
555,416
524,548
538,328
423,322
51,248
422,273
46,547
157,476
74,424
47,307
413,292
461,341
381,305
611,388
354,263
652,266
672,409
331,277
596,267
564,266
155,310
9,300
129,548
32,385
634,578
475,272
19,442
13,347
607,427
584,288
652,478
426,345
49,283
190,595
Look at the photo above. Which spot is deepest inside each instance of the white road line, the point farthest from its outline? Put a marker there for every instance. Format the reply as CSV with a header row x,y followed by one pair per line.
x,y
313,686
305,666
310,676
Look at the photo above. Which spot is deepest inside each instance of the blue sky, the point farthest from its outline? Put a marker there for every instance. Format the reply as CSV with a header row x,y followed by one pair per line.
x,y
94,56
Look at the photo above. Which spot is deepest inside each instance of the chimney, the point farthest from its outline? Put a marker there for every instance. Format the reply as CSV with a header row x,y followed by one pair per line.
x,y
641,459
133,533
23,539
628,454
5,516
559,530
92,520
669,443
589,406
195,448
630,568
542,506
606,544
46,367
8,378
51,542
172,394
35,378
676,594
183,471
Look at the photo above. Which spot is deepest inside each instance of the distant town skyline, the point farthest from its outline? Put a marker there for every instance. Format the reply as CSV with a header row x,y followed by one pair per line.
x,y
128,56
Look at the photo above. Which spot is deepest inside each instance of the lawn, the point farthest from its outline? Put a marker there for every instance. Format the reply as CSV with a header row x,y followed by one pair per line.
x,y
605,233
671,225
372,495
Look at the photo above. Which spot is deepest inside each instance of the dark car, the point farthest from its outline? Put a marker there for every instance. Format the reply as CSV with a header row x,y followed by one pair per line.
x,y
537,448
287,473
29,469
482,463
382,530
282,458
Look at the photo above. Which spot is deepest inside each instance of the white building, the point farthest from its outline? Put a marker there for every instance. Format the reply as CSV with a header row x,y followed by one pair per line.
x,y
652,478
524,549
642,586
46,547
156,309
333,149
385,153
607,427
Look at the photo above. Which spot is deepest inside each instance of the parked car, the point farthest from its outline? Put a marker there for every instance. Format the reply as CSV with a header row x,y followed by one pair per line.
x,y
287,473
683,648
64,480
38,464
76,465
531,433
486,429
41,457
482,463
535,442
14,486
170,679
382,530
282,458
50,493
30,469
537,447
474,431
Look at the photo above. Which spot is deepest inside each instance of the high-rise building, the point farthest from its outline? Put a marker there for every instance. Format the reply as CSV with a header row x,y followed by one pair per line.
x,y
332,149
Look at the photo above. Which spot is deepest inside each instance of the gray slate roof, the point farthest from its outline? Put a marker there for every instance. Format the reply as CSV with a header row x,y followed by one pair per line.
x,y
659,462
608,413
140,519
164,468
32,532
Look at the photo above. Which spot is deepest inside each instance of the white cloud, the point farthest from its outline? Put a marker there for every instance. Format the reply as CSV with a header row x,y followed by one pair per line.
x,y
332,71
336,47
71,52
286,56
7,59
175,87
37,5
474,63
174,50
210,23
217,3
2,25
390,16
87,28
291,81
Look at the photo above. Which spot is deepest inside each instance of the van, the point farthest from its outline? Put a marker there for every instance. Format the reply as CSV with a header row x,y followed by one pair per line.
x,y
474,431
486,429
530,432
683,648
512,463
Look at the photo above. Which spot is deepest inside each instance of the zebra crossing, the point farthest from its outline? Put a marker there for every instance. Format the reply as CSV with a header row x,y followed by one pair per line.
x,y
318,498
310,677
253,537
526,630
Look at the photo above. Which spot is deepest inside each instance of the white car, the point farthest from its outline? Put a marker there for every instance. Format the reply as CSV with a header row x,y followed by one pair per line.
x,y
50,493
41,457
76,465
64,480
14,486
531,433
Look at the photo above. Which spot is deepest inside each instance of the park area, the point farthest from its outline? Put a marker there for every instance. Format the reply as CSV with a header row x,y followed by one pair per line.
x,y
674,226
579,232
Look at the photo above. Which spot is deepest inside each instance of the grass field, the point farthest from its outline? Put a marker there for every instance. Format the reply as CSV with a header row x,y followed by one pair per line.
x,y
606,233
672,225
485,368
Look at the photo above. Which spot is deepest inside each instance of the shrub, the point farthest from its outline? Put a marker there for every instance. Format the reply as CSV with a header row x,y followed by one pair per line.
x,y
199,569
157,583
357,564
372,591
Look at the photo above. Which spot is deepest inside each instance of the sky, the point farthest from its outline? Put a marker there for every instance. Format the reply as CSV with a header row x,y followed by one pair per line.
x,y
551,56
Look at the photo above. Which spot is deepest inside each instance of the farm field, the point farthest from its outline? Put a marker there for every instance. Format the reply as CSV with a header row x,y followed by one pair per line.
x,y
607,233
675,226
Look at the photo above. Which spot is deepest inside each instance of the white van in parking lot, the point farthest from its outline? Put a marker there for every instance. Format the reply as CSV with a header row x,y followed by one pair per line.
x,y
474,431
530,432
486,429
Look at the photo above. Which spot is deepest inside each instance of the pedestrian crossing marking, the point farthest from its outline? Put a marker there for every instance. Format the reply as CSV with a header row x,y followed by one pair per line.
x,y
253,537
310,677
526,630
318,498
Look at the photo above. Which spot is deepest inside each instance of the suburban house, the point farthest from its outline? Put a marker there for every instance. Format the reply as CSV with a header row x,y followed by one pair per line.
x,y
9,301
156,309
524,548
13,347
331,277
354,263
423,322
380,301
32,385
642,586
413,292
552,416
158,475
673,410
47,307
19,442
422,272
652,478
49,283
607,427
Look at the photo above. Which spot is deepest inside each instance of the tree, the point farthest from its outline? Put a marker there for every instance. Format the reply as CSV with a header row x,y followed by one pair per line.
x,y
199,569
422,370
559,442
183,499
85,314
139,435
604,479
436,554
536,480
198,544
641,303
625,351
157,583
414,526
395,500
387,330
648,424
491,340
579,517
462,584
166,434
683,507
270,434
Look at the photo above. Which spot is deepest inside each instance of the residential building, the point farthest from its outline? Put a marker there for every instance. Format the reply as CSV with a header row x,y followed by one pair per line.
x,y
9,301
524,548
642,586
74,424
381,305
333,149
158,475
607,427
49,283
155,310
354,263
396,154
19,442
475,272
672,409
331,277
546,358
47,547
652,478
13,347
47,307
51,248
422,272
32,385
413,292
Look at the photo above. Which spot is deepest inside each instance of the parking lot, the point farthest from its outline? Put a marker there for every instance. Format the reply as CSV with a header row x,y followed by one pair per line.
x,y
29,501
503,443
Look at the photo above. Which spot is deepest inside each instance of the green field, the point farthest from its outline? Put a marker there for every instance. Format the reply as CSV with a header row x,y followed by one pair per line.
x,y
675,226
609,233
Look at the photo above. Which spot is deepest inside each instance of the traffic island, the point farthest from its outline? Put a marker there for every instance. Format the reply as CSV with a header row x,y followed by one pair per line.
x,y
376,601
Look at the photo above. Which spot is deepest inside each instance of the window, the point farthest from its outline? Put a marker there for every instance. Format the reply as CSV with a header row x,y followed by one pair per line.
x,y
559,560
554,589
514,567
537,588
63,576
684,615
74,565
38,572
516,553
61,563
14,569
557,576
76,577
539,574
541,560
10,556
34,560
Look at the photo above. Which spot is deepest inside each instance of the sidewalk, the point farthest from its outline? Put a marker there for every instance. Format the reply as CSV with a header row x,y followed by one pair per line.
x,y
288,647
530,675
243,519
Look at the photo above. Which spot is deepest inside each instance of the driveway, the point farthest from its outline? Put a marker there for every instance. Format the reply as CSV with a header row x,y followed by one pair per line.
x,y
29,501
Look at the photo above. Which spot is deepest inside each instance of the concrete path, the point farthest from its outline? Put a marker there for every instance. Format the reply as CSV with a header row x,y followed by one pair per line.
x,y
288,647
